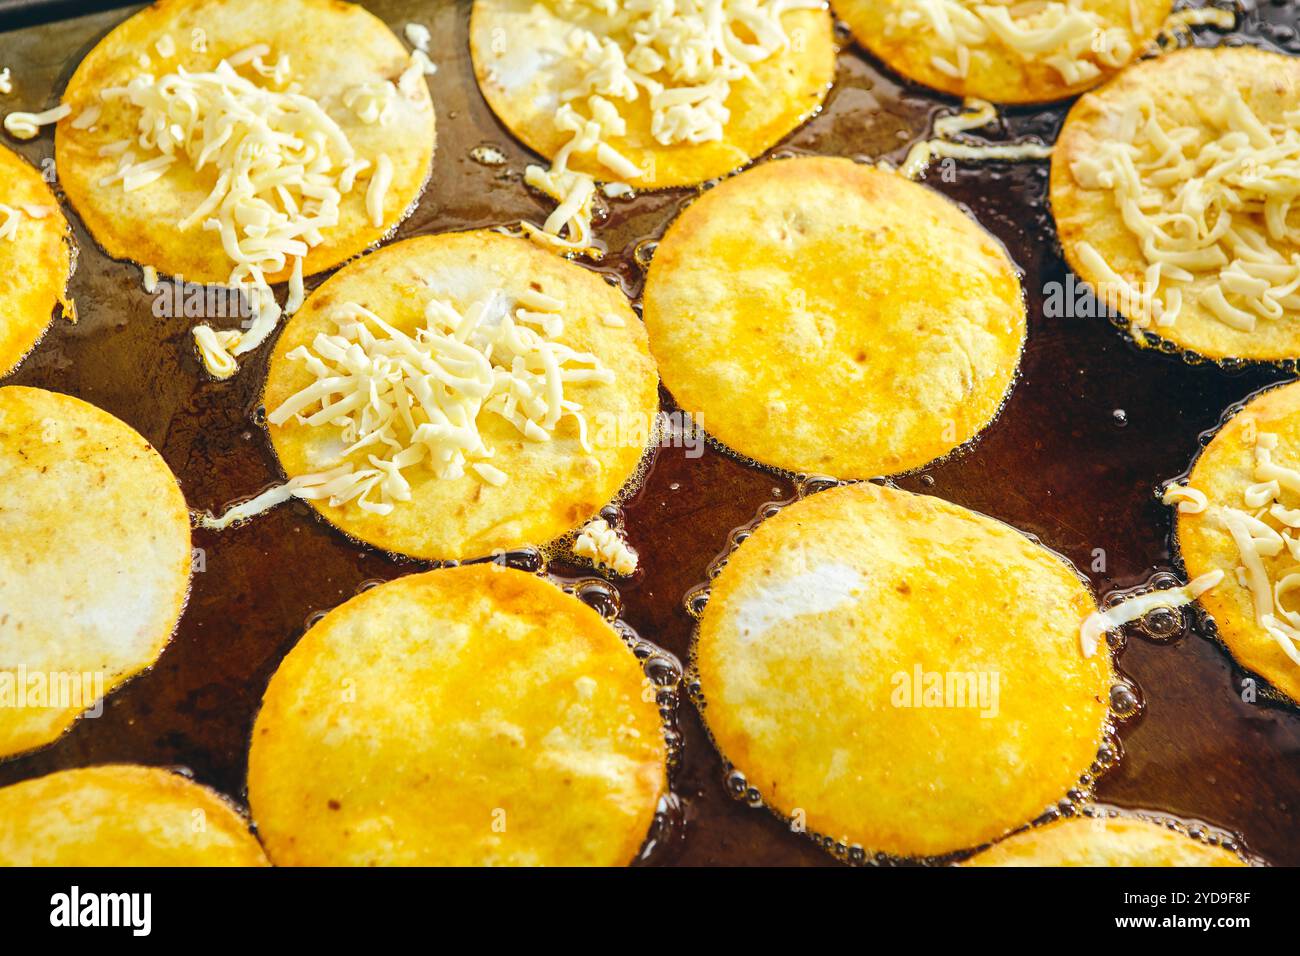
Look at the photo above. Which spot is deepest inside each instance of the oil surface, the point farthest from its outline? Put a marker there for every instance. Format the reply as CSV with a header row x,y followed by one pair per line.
x,y
1092,428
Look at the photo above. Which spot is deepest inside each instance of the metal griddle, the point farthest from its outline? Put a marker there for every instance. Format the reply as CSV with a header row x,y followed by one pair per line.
x,y
1091,428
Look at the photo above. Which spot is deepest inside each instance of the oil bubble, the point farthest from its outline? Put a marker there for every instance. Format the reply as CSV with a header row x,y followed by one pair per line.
x,y
1124,700
1162,623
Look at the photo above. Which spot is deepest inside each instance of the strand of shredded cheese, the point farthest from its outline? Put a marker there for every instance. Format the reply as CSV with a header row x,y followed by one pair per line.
x,y
13,216
975,113
21,125
418,35
682,56
1174,31
1098,623
409,400
921,154
6,82
1190,501
1210,203
605,546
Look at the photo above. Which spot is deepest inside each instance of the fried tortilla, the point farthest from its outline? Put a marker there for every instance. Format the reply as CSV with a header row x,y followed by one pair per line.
x,y
525,63
334,52
546,485
1002,51
1211,142
1103,841
898,674
35,259
826,317
121,815
462,717
94,561
1236,472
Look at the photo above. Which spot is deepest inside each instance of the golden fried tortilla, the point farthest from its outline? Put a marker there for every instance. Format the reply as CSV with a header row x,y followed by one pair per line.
x,y
996,72
94,560
1103,841
1224,468
1180,84
523,64
894,672
831,318
463,717
554,486
332,48
34,262
121,815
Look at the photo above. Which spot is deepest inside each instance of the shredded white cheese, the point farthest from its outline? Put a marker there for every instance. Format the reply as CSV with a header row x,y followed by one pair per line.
x,y
6,82
1073,41
921,154
21,125
416,399
606,547
420,67
617,190
1190,501
11,217
974,114
215,349
282,166
9,225
1210,202
417,34
88,117
378,189
302,487
680,56
150,279
1175,28
1098,623
568,229
372,102
1256,539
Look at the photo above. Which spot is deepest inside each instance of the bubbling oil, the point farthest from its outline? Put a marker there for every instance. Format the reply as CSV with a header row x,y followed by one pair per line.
x,y
870,114
663,680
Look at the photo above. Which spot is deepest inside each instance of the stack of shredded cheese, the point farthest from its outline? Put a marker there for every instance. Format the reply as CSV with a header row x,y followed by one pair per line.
x,y
282,166
604,546
407,400
681,55
1073,41
1209,200
1264,528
